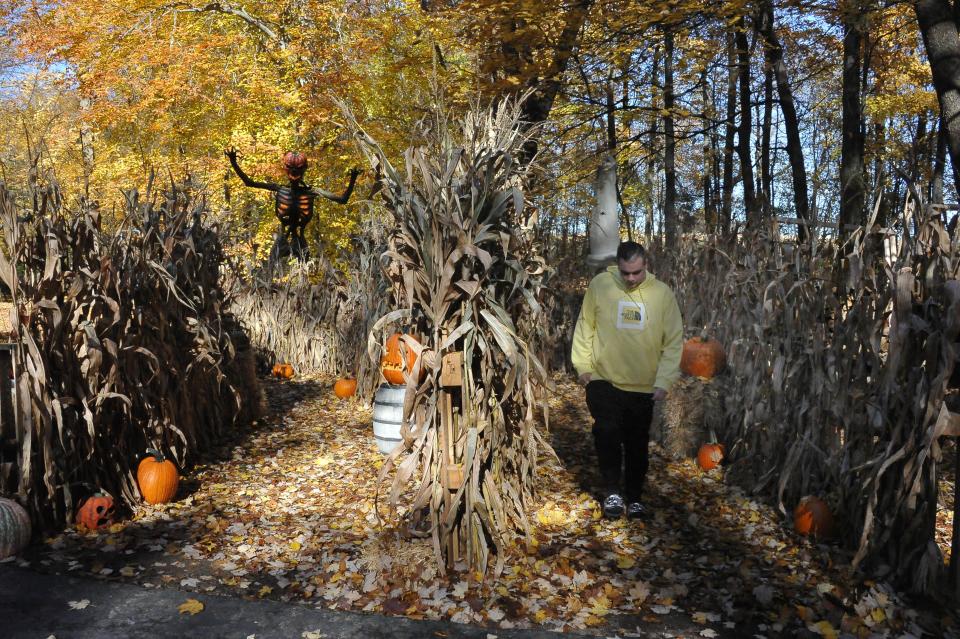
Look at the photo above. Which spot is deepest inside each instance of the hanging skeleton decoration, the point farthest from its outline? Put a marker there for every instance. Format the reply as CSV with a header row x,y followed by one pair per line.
x,y
293,202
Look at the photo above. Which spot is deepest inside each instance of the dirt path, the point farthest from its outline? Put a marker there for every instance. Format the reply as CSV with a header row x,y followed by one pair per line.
x,y
286,511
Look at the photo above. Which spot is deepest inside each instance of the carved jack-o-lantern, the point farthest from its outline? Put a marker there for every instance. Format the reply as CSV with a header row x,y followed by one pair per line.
x,y
96,512
392,364
294,163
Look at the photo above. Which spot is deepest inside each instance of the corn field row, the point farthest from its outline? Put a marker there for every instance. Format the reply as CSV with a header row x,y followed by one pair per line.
x,y
117,336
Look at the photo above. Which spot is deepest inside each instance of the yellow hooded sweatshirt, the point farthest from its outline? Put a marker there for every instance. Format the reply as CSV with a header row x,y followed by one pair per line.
x,y
632,339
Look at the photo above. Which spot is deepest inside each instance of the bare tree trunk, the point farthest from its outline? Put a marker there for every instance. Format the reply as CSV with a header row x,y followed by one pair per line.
x,y
709,211
766,179
729,130
715,168
670,143
745,128
612,147
938,26
852,185
651,161
791,122
935,192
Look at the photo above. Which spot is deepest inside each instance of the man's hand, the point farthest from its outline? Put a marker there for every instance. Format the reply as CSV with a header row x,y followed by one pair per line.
x,y
231,153
585,379
354,172
659,394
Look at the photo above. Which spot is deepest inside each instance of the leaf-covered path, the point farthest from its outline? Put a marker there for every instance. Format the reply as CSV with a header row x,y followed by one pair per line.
x,y
286,511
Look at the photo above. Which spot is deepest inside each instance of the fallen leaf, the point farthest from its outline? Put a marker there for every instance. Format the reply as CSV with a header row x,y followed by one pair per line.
x,y
190,606
78,605
763,594
824,629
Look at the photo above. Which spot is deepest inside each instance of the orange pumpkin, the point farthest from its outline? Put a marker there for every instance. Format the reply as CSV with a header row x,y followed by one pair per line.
x,y
96,512
391,364
709,456
812,517
345,388
157,477
702,357
283,371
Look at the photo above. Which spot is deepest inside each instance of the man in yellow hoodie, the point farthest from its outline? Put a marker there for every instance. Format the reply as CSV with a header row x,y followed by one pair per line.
x,y
626,349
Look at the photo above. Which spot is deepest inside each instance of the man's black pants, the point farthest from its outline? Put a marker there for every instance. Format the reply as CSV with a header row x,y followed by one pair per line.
x,y
621,432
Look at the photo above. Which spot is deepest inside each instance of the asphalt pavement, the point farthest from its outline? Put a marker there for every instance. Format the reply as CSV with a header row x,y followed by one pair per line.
x,y
37,605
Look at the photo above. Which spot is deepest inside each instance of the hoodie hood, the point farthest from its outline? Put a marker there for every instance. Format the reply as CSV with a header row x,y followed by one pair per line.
x,y
647,282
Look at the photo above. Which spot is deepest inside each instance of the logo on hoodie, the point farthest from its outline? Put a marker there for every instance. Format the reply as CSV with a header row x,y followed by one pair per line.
x,y
631,315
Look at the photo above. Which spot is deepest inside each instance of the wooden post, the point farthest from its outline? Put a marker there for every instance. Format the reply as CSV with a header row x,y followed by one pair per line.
x,y
451,472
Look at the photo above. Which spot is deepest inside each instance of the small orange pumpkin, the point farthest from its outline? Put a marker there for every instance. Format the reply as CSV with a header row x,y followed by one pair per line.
x,y
283,371
391,364
96,512
709,456
157,477
702,357
345,388
812,517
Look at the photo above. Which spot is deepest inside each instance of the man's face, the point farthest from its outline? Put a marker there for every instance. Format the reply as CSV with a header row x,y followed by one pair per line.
x,y
633,271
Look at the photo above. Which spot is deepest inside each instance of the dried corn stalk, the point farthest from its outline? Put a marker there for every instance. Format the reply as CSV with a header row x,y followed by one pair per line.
x,y
123,343
466,279
315,317
839,361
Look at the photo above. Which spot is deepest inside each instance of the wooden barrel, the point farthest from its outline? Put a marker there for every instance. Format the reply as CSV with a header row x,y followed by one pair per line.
x,y
388,416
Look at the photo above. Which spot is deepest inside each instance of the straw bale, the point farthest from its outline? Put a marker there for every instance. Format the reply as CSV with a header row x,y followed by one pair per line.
x,y
6,328
680,422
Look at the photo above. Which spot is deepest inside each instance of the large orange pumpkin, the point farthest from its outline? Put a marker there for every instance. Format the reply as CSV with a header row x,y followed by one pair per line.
x,y
812,517
391,364
96,512
157,477
345,388
709,456
702,357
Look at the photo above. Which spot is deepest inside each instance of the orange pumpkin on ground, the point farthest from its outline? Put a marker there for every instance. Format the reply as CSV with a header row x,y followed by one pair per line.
x,y
702,357
345,388
96,512
157,477
391,364
709,456
283,371
812,517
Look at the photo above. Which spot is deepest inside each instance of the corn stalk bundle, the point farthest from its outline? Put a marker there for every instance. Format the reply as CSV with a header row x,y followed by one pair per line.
x,y
465,279
123,344
840,360
315,316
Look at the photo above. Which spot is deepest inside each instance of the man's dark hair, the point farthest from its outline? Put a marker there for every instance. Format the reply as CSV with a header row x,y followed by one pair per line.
x,y
630,250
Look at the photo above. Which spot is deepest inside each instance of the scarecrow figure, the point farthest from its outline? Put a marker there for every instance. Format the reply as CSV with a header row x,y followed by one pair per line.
x,y
293,202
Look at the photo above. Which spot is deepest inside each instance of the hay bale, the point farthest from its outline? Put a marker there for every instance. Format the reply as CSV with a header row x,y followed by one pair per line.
x,y
680,422
254,399
6,328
